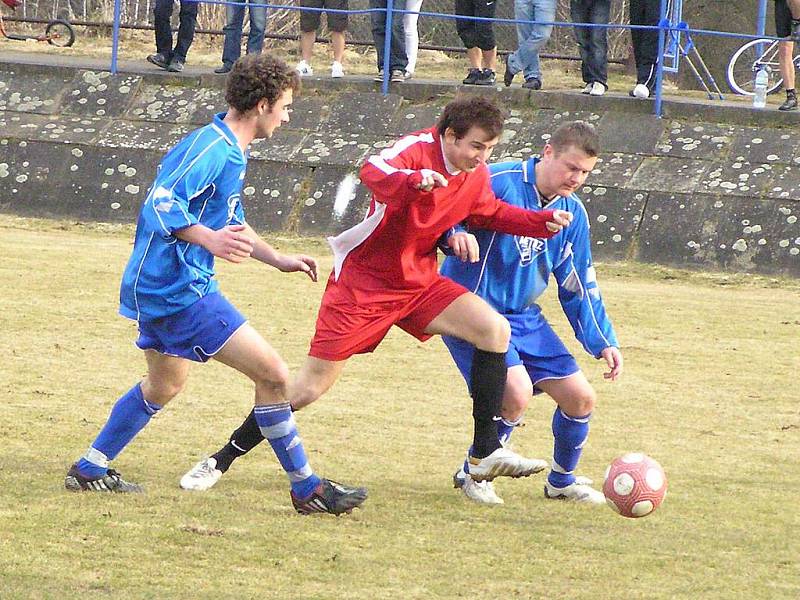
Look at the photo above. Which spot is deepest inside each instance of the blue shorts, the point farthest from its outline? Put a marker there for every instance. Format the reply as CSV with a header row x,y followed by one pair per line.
x,y
196,333
533,344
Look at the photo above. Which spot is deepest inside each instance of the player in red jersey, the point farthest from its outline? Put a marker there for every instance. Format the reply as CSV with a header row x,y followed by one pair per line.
x,y
385,273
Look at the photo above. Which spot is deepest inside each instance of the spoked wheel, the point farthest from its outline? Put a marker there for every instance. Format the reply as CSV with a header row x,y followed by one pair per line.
x,y
60,33
747,60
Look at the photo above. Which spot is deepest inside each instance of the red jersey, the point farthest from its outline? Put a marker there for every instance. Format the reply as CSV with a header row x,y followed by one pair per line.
x,y
394,248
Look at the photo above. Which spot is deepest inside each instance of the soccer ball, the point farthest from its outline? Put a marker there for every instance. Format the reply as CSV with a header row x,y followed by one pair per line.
x,y
634,485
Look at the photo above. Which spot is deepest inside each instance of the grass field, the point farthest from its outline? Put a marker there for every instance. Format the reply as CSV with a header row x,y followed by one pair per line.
x,y
710,390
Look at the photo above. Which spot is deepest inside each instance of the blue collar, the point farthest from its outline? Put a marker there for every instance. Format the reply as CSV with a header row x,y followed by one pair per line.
x,y
217,123
529,170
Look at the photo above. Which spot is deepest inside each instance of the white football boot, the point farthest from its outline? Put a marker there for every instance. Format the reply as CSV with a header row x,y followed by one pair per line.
x,y
481,492
202,476
579,491
504,462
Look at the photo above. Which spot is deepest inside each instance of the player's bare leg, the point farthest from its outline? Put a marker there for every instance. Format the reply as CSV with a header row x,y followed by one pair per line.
x,y
471,319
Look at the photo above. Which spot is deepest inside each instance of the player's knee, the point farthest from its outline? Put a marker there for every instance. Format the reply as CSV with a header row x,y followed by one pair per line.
x,y
274,379
497,334
516,398
581,404
161,392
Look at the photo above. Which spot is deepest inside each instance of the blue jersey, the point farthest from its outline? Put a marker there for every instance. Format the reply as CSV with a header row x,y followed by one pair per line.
x,y
198,181
514,271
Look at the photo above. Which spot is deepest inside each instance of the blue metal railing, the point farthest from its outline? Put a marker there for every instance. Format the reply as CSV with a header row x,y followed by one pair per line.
x,y
664,28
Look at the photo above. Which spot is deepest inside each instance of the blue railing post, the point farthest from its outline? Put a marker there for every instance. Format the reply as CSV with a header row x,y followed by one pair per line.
x,y
761,21
663,26
115,37
387,46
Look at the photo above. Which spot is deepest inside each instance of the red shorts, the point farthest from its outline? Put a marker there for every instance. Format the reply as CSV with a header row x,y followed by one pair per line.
x,y
346,327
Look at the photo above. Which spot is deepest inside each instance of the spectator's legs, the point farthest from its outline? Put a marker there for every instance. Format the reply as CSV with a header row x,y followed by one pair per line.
x,y
397,53
337,42
307,39
232,46
411,34
484,33
258,25
532,37
162,12
645,42
186,27
785,51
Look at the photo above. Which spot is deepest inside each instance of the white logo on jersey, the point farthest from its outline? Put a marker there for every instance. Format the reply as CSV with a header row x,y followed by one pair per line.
x,y
232,202
528,248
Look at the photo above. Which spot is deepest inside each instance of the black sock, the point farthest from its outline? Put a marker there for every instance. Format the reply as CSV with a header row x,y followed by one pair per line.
x,y
487,384
244,439
791,93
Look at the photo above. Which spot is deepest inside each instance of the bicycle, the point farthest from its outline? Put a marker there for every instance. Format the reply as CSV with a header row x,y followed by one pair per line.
x,y
752,56
57,32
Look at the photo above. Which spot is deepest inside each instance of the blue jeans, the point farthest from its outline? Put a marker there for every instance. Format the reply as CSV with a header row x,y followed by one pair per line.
x,y
162,12
398,61
592,41
531,37
234,14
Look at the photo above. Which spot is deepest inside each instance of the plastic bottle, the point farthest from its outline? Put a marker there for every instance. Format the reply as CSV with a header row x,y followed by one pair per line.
x,y
760,88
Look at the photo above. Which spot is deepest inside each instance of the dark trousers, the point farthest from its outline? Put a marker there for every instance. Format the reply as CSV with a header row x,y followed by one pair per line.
x,y
398,61
592,41
187,23
645,43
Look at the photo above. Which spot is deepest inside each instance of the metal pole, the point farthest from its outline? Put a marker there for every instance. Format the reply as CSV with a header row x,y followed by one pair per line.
x,y
115,37
387,46
761,22
663,25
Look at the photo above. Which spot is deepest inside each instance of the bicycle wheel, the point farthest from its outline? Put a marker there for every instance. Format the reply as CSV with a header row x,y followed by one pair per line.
x,y
747,60
59,33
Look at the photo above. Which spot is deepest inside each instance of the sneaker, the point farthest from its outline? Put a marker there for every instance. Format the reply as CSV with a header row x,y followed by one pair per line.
x,y
473,75
379,76
534,83
158,60
587,88
640,91
202,476
407,74
304,69
337,70
488,77
225,68
503,462
790,103
330,497
508,76
110,482
597,89
175,65
579,491
481,492
397,76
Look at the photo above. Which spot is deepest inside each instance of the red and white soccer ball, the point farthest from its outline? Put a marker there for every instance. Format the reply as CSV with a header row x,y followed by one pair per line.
x,y
634,485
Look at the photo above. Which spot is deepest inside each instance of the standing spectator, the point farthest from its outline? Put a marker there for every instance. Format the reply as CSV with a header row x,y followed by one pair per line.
x,y
167,57
398,60
309,24
645,45
411,35
593,43
531,38
787,24
234,21
478,38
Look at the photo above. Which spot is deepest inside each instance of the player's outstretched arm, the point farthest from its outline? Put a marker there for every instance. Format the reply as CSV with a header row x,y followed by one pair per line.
x,y
264,252
231,243
613,358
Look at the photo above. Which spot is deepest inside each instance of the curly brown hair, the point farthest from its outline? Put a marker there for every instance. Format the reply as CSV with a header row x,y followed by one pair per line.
x,y
462,113
255,77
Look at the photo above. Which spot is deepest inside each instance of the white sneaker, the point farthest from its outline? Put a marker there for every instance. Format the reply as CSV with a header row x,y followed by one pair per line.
x,y
337,70
481,492
304,69
596,89
579,491
641,91
503,462
202,476
587,88
408,74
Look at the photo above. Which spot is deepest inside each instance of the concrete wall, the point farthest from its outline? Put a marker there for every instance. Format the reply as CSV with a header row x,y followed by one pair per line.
x,y
708,186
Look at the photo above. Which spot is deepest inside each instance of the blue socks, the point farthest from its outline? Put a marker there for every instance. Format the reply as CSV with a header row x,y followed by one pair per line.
x,y
570,434
277,426
128,417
